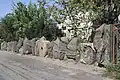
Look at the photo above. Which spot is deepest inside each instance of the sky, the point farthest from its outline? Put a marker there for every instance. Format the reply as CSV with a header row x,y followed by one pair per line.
x,y
6,5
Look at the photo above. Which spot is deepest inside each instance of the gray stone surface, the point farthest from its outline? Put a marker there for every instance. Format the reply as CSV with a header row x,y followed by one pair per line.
x,y
33,41
87,53
102,43
19,44
4,46
27,48
37,45
12,46
43,48
50,50
56,48
21,50
65,40
72,49
73,44
60,48
88,56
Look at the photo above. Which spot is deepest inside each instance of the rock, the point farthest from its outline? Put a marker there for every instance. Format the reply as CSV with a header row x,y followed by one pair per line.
x,y
12,46
106,41
60,48
19,44
37,45
21,50
82,61
27,46
65,40
77,58
1,40
8,46
43,48
88,53
72,50
33,41
73,44
50,49
98,37
63,47
101,43
62,55
89,56
56,49
4,46
36,48
55,54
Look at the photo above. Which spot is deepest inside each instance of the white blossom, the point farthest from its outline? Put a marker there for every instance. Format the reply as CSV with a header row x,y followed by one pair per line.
x,y
90,24
119,18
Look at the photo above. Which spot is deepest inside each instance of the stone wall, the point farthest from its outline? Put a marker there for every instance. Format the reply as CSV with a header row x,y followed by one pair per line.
x,y
88,53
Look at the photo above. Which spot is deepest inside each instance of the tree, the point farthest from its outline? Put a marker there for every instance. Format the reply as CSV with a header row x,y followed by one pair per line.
x,y
28,21
8,31
107,11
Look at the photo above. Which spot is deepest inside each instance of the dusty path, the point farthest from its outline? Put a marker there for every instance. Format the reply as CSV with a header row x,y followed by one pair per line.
x,y
15,67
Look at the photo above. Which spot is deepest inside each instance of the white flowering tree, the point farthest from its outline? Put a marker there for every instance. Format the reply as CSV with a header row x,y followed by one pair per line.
x,y
79,15
72,20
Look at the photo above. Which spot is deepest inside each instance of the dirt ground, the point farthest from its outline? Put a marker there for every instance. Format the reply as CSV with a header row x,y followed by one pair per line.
x,y
26,67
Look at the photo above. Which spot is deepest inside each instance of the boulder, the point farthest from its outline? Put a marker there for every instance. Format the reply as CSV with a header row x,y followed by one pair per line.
x,y
33,41
21,50
60,48
43,48
64,39
72,49
27,49
4,46
9,46
37,45
50,49
56,48
88,53
73,44
101,43
19,44
12,46
1,40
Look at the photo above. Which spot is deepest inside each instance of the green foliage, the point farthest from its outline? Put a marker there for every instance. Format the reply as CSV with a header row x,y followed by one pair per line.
x,y
113,71
26,21
102,11
29,19
8,31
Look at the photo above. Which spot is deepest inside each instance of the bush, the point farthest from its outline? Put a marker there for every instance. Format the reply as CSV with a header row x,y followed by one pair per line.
x,y
113,71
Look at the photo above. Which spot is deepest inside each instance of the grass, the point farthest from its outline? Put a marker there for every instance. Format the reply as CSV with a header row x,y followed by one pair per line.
x,y
113,71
